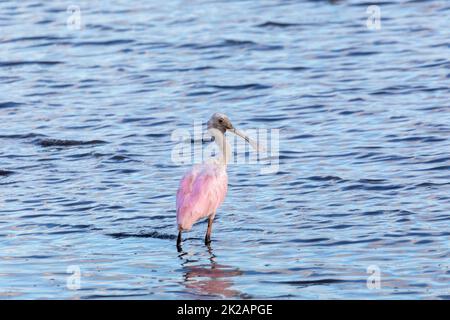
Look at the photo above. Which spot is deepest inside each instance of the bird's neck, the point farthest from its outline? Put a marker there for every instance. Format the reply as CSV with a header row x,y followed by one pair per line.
x,y
223,144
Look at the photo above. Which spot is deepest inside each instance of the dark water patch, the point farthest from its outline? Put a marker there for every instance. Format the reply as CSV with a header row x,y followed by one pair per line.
x,y
437,160
124,171
361,53
35,38
424,241
342,226
295,68
24,63
200,93
66,143
43,215
153,234
121,158
273,118
78,203
418,139
64,232
250,86
325,178
302,136
35,257
349,242
10,104
307,283
372,181
429,185
371,187
368,155
202,68
103,43
74,156
274,24
230,43
438,168
391,158
155,135
347,112
374,213
156,217
4,173
130,120
310,240
366,4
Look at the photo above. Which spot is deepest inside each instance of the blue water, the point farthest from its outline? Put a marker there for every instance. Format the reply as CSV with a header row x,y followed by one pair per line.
x,y
86,174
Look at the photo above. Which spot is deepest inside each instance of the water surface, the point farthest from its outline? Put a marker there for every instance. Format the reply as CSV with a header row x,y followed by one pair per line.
x,y
86,174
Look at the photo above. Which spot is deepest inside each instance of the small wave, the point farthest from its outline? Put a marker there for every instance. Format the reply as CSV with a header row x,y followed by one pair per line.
x,y
302,136
366,4
124,171
153,234
35,38
372,188
121,158
23,63
436,168
310,240
372,181
325,178
202,68
274,24
347,242
312,282
361,53
253,86
4,173
128,120
269,118
437,160
103,43
66,143
296,68
417,139
247,44
21,136
9,104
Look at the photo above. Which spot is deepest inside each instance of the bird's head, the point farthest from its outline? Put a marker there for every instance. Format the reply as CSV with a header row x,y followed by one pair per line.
x,y
220,122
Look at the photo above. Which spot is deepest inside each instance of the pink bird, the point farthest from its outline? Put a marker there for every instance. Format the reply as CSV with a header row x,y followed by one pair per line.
x,y
203,188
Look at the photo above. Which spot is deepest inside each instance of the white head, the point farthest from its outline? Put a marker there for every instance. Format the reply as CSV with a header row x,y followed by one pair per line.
x,y
222,123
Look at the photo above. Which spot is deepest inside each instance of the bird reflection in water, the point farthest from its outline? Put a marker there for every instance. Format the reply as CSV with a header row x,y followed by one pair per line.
x,y
213,279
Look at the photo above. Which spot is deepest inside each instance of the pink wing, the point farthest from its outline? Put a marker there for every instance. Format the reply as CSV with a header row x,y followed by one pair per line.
x,y
202,190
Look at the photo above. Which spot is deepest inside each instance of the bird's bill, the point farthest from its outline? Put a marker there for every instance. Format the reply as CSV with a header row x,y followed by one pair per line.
x,y
252,142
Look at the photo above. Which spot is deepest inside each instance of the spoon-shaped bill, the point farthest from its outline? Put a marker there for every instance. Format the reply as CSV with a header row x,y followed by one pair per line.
x,y
252,142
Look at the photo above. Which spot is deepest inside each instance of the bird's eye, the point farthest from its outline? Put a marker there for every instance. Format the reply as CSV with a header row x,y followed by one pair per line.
x,y
220,120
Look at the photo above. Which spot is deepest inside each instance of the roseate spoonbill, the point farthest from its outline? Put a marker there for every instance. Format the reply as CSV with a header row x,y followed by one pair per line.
x,y
203,188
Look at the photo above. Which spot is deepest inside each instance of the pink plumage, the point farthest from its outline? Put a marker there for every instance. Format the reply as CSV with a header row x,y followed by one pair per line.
x,y
202,190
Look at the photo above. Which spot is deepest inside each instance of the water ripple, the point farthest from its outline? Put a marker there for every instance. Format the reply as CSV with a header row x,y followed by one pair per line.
x,y
87,157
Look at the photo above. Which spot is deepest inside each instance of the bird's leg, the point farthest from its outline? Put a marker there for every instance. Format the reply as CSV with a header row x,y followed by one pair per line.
x,y
208,231
179,240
